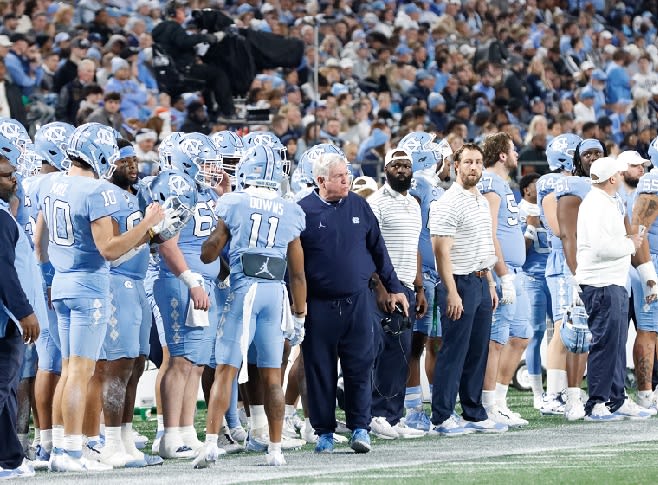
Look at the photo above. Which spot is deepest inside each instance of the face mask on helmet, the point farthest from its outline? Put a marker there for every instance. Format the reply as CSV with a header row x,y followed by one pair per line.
x,y
204,162
231,148
560,152
96,145
575,333
268,139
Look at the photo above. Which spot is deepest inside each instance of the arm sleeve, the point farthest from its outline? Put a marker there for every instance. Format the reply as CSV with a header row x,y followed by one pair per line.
x,y
377,248
11,291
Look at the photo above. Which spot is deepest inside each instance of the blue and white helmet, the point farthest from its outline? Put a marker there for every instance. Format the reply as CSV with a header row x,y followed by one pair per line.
x,y
426,154
560,151
231,147
9,150
268,139
51,142
168,149
202,161
260,166
308,158
575,333
96,145
27,163
653,152
172,190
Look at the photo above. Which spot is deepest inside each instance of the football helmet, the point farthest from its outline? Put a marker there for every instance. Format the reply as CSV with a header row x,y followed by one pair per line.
x,y
268,139
168,149
260,166
96,145
51,141
9,150
201,161
174,191
653,152
427,155
27,163
560,151
308,158
231,147
575,334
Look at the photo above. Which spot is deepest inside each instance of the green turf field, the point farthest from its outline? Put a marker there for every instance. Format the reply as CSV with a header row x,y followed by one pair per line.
x,y
549,450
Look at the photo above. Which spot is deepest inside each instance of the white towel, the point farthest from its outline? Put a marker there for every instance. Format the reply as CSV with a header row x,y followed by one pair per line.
x,y
247,307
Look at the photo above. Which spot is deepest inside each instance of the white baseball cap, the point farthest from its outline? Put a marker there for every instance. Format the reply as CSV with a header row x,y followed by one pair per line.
x,y
364,183
606,167
396,154
631,157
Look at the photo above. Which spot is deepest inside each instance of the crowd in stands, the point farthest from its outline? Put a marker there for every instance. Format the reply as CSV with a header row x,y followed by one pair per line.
x,y
459,68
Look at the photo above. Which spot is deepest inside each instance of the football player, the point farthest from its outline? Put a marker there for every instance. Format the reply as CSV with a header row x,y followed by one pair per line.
x,y
510,327
263,230
77,210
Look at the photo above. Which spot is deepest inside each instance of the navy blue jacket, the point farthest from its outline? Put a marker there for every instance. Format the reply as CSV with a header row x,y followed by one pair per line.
x,y
343,247
11,291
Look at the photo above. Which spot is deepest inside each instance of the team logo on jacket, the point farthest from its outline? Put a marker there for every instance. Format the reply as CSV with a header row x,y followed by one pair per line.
x,y
355,220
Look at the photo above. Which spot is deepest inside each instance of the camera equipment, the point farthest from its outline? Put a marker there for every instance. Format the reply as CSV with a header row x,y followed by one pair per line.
x,y
396,322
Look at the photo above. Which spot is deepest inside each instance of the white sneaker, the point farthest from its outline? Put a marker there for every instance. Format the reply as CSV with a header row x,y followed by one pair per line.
x,y
174,450
275,458
552,405
114,455
297,421
308,434
291,444
63,462
289,429
506,417
405,432
207,455
574,410
227,443
601,413
238,434
648,403
381,428
630,410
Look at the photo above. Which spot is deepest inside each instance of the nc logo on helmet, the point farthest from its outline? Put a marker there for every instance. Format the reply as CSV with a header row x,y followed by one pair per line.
x,y
55,134
178,185
104,136
314,153
411,145
10,130
191,147
264,140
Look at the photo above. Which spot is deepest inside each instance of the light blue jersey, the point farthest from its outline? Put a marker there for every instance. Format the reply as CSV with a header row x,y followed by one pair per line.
x,y
70,204
648,184
260,222
508,231
537,253
195,232
127,217
576,186
30,186
546,186
426,192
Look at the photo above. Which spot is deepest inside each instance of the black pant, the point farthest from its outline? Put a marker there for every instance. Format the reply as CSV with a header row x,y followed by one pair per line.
x,y
11,359
607,308
339,329
391,369
462,360
218,83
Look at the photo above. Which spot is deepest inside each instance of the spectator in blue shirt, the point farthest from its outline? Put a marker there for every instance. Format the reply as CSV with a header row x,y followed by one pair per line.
x,y
618,84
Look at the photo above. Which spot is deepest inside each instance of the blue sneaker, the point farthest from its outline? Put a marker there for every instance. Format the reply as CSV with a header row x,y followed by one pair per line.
x,y
325,443
417,419
601,414
255,445
486,426
449,427
153,460
25,470
360,441
630,410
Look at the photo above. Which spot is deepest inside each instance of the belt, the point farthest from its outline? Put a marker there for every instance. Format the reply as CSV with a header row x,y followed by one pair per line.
x,y
481,273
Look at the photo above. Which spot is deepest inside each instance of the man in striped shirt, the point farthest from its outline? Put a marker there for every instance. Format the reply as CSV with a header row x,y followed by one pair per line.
x,y
400,222
461,229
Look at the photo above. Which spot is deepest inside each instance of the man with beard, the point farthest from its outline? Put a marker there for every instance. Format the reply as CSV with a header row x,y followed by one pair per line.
x,y
636,164
126,344
510,328
400,222
462,238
